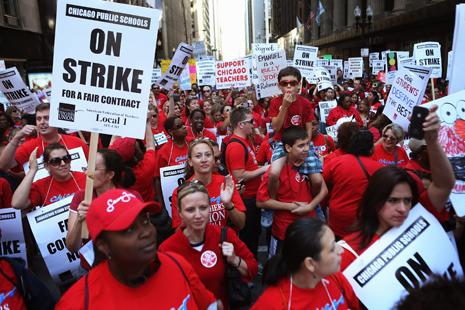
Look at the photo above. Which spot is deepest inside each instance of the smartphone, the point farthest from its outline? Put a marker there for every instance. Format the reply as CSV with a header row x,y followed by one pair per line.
x,y
415,129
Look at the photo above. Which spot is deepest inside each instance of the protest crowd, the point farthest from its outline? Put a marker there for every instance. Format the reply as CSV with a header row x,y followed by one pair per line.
x,y
304,192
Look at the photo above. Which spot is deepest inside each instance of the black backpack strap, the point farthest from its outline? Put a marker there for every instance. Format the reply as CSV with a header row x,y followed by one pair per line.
x,y
179,266
396,156
363,167
224,231
243,145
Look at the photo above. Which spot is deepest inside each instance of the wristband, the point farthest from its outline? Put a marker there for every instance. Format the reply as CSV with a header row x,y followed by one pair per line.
x,y
230,209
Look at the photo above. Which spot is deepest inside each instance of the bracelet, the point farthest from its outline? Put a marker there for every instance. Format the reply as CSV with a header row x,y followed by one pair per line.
x,y
240,261
230,209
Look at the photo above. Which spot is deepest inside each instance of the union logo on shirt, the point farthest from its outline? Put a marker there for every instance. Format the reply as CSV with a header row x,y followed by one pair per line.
x,y
208,259
295,120
299,178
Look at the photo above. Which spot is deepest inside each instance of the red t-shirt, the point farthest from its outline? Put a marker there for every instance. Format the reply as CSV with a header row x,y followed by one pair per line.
x,y
24,150
166,289
47,190
208,123
338,112
235,160
298,114
322,147
354,240
204,134
6,194
170,154
346,183
292,187
160,99
385,158
143,172
337,287
332,155
218,215
209,263
264,152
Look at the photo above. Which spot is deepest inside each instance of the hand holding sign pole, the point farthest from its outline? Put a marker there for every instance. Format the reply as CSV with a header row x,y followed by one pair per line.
x,y
90,178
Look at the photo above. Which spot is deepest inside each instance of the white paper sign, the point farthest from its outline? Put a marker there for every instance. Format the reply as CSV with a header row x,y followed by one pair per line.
x,y
410,61
364,52
332,70
268,67
156,74
323,78
373,56
403,258
305,56
184,80
325,108
428,54
356,67
451,113
457,75
406,92
232,73
101,79
78,163
199,48
336,62
49,226
449,65
12,242
16,91
322,62
170,178
377,66
205,72
264,48
177,65
332,132
346,70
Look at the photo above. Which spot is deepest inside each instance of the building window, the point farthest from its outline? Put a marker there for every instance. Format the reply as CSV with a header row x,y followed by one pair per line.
x,y
10,12
388,5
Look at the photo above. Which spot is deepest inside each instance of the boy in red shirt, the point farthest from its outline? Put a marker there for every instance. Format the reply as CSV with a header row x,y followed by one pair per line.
x,y
294,199
288,110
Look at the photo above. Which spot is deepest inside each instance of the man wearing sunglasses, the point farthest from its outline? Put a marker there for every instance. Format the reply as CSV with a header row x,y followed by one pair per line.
x,y
290,109
15,154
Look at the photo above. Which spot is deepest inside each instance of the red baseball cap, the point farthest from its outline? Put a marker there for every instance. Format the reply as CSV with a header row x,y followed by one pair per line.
x,y
125,147
115,210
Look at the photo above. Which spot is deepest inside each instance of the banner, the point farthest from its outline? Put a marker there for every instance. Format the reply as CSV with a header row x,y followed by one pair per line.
x,y
356,67
170,178
404,258
268,67
233,73
325,108
406,92
78,163
177,65
451,137
428,54
205,72
101,80
16,91
49,226
12,242
377,66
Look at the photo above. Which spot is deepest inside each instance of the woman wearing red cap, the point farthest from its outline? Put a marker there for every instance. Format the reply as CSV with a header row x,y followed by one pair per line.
x,y
129,273
225,201
197,241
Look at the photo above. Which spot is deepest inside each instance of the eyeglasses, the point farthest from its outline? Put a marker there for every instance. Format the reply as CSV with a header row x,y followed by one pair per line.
x,y
178,126
286,83
250,121
386,137
56,161
154,116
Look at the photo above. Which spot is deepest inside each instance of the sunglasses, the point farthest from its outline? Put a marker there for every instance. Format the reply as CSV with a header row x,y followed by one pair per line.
x,y
386,137
250,121
287,83
55,162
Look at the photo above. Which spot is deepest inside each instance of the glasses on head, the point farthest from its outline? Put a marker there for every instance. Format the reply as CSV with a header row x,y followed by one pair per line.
x,y
387,137
249,121
56,161
284,83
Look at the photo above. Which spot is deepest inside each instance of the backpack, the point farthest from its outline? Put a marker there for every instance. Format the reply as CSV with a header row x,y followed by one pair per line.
x,y
224,146
35,294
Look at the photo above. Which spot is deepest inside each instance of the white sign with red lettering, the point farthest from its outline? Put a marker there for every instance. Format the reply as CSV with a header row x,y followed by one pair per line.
x,y
232,73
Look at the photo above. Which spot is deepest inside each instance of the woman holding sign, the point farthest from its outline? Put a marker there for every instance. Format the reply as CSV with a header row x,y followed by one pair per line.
x,y
344,109
225,203
61,183
392,192
306,274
